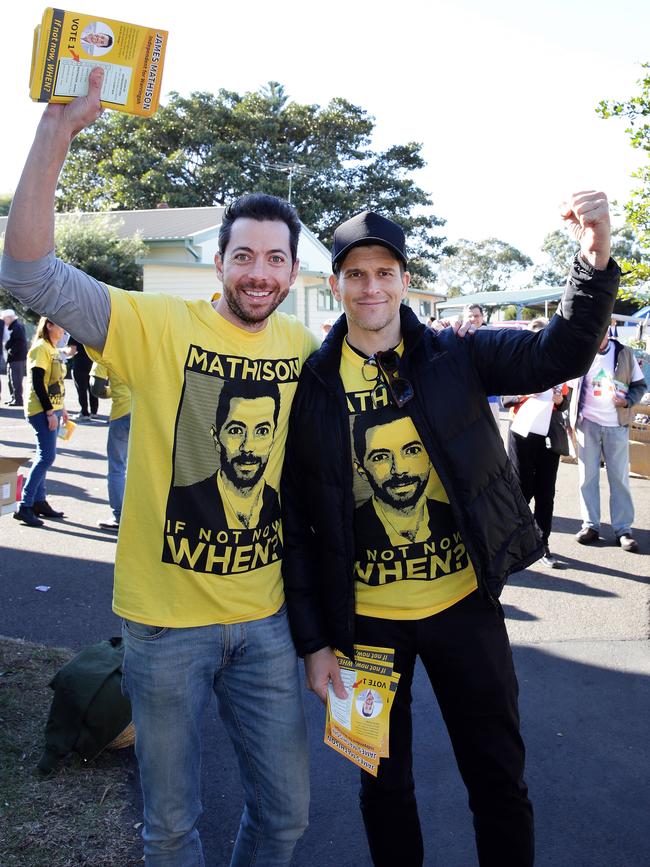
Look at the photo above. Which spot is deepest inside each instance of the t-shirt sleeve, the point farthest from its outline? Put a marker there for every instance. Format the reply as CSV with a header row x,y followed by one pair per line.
x,y
40,357
137,327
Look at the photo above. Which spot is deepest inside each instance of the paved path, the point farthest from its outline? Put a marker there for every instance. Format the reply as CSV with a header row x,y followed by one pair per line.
x,y
580,638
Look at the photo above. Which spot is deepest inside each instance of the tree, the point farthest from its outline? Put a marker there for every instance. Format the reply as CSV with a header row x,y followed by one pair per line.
x,y
481,266
5,203
94,246
207,149
637,209
560,250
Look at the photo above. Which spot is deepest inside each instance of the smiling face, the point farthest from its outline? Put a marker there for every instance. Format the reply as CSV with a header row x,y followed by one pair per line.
x,y
256,271
395,463
245,440
371,286
103,40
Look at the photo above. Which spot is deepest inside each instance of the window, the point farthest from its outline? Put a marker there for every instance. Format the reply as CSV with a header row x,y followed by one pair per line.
x,y
425,308
326,301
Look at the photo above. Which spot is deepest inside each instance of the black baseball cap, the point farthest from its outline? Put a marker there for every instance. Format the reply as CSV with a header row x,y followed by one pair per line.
x,y
368,228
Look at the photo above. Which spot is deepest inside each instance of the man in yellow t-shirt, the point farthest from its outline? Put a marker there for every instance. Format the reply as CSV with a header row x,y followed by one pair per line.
x,y
402,517
108,386
198,578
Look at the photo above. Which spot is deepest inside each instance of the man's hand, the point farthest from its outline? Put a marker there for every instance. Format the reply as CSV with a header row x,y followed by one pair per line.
x,y
320,668
82,111
620,401
587,217
460,328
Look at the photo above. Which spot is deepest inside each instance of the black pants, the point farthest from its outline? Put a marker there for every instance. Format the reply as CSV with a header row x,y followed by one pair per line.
x,y
466,654
15,375
536,467
81,376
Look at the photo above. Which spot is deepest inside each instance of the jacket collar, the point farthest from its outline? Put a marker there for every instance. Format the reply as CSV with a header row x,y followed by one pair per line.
x,y
325,362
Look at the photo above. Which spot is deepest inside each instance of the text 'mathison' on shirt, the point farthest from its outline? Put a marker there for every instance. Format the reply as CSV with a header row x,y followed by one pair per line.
x,y
200,538
410,559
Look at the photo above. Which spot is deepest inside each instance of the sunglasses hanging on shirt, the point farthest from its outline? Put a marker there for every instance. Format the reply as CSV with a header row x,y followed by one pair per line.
x,y
387,363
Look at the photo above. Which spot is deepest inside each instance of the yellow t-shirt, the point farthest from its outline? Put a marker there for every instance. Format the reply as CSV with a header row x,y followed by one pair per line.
x,y
44,355
410,560
120,396
209,412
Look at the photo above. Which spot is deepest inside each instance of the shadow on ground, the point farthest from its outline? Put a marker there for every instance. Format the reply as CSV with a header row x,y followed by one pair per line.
x,y
586,733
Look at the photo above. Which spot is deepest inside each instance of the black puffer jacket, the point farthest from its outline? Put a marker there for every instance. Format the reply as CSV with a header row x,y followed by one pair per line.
x,y
451,377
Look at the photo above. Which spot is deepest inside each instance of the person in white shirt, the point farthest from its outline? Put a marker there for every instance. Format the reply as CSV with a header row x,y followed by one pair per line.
x,y
601,410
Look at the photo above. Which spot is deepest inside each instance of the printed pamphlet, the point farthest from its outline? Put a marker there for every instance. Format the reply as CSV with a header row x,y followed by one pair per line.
x,y
358,726
68,45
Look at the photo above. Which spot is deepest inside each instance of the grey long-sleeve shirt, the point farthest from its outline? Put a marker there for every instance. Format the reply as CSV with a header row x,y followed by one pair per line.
x,y
64,294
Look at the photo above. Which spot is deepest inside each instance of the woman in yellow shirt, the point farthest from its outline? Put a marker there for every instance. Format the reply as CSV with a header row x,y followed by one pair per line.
x,y
45,410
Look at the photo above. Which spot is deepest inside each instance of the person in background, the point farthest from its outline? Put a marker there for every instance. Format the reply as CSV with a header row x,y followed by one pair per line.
x,y
473,313
326,327
613,328
45,410
16,348
88,402
536,457
107,385
602,407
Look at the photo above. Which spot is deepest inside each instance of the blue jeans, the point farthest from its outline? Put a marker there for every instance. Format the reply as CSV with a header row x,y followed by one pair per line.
x,y
46,440
116,450
615,445
169,675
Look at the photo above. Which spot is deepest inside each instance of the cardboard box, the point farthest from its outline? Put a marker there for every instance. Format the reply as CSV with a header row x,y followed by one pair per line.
x,y
640,458
8,477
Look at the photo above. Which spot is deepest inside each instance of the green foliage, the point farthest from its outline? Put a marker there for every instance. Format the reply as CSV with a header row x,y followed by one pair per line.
x,y
481,266
93,245
5,203
560,249
207,149
637,209
527,313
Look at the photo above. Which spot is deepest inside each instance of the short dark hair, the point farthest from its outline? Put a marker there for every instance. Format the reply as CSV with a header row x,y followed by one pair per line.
x,y
259,206
475,307
246,389
110,39
364,421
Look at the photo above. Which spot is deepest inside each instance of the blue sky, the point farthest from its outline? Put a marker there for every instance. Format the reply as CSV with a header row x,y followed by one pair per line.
x,y
501,95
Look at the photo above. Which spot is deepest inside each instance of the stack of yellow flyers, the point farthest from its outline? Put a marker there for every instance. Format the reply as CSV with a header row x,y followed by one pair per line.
x,y
358,727
68,45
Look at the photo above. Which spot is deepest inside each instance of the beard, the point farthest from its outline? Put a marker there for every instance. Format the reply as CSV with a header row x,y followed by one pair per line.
x,y
396,501
245,461
252,310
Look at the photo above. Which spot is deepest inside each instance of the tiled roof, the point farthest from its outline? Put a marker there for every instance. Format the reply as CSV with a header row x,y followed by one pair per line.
x,y
155,224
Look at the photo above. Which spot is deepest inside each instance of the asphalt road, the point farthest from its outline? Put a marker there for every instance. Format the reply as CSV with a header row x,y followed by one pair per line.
x,y
580,639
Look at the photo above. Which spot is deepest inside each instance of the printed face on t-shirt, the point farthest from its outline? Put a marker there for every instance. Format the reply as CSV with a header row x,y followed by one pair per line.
x,y
395,464
245,439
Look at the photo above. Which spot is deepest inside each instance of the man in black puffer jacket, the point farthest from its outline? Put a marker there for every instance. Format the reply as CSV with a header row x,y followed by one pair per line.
x,y
403,516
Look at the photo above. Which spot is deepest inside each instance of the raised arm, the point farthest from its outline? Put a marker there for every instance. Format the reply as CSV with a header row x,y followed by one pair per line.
x,y
30,272
30,227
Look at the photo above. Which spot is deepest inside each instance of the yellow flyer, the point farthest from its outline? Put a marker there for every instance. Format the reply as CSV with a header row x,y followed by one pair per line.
x,y
359,725
68,45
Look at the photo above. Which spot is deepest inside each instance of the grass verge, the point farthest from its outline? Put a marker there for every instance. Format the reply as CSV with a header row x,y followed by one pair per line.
x,y
80,815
